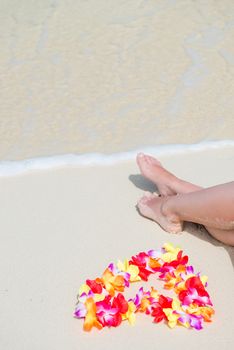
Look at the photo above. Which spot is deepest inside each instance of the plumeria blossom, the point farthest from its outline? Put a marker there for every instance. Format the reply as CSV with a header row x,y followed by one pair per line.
x,y
101,302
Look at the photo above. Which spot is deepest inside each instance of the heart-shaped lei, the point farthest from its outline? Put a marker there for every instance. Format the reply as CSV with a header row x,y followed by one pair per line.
x,y
101,302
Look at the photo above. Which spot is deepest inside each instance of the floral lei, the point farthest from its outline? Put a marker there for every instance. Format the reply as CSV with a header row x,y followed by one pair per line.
x,y
102,304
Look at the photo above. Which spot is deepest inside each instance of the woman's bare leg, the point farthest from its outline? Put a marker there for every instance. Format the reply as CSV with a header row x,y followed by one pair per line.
x,y
223,236
212,207
168,185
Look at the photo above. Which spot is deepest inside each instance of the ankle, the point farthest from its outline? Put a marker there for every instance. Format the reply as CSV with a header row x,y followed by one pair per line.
x,y
167,209
174,224
186,187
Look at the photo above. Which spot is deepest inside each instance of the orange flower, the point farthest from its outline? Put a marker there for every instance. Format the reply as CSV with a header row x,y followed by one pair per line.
x,y
90,318
112,282
207,312
145,303
153,263
172,279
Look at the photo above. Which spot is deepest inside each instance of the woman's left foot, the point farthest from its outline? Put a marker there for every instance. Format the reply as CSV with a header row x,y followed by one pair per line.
x,y
153,170
153,207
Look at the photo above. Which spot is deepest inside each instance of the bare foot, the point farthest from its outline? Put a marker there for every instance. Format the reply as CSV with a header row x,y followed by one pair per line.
x,y
152,207
153,170
167,183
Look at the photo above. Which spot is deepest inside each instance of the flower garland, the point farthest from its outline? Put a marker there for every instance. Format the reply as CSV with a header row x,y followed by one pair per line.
x,y
102,304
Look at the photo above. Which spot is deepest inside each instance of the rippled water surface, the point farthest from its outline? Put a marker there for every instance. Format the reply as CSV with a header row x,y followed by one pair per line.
x,y
114,76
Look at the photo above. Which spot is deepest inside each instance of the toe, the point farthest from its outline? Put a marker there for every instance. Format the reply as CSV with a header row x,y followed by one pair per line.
x,y
149,195
142,206
142,201
140,157
153,161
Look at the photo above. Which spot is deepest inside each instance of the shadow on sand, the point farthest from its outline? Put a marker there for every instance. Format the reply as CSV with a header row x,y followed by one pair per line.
x,y
192,228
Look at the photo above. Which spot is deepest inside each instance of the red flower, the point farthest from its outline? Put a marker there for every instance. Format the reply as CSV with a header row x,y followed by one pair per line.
x,y
140,261
110,314
181,260
158,314
195,282
94,286
120,303
109,319
163,303
195,292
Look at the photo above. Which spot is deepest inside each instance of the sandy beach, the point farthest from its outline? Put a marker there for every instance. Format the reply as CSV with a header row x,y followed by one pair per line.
x,y
62,226
84,85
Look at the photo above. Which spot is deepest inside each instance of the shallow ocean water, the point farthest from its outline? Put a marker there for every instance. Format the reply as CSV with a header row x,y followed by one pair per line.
x,y
17,167
112,77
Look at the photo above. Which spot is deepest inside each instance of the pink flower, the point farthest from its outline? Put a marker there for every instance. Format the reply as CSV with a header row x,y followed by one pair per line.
x,y
195,293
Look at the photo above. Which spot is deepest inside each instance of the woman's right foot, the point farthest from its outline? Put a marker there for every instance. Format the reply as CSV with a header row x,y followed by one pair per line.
x,y
152,169
153,207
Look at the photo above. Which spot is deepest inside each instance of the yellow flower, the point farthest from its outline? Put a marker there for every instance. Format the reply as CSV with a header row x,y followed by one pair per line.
x,y
171,252
154,293
180,287
130,314
84,288
144,304
170,281
204,280
169,312
172,318
176,304
131,269
98,297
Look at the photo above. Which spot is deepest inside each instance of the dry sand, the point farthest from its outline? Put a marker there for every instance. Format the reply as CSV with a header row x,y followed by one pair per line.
x,y
62,226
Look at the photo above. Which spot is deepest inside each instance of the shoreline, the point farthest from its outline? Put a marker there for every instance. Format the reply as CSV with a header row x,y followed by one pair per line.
x,y
17,167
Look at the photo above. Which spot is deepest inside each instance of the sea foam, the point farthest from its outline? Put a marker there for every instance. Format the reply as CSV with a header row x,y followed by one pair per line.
x,y
17,167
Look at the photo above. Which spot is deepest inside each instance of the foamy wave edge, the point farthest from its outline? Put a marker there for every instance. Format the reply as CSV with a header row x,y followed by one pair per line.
x,y
12,167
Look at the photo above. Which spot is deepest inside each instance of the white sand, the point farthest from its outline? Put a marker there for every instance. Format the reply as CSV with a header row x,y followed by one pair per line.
x,y
60,227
